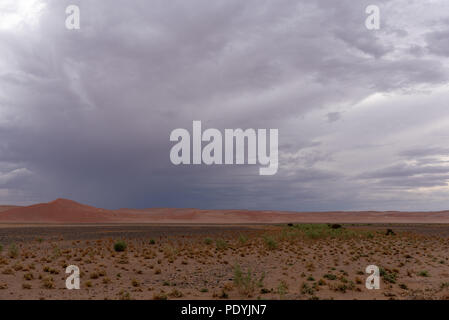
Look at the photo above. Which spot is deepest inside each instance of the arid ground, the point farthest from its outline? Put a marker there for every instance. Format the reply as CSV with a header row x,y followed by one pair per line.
x,y
296,261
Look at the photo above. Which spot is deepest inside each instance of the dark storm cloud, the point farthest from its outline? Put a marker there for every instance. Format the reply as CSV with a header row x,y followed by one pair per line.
x,y
333,116
87,114
427,151
437,40
403,170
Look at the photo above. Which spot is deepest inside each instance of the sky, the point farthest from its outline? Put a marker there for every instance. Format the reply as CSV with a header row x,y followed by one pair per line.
x,y
363,115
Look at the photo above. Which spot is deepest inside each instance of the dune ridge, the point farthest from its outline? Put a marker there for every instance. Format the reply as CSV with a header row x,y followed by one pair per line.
x,y
64,211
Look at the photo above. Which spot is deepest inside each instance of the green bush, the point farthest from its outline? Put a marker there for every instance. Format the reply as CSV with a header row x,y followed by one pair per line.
x,y
322,231
330,276
243,239
221,244
120,246
424,273
388,275
270,242
246,283
152,241
13,251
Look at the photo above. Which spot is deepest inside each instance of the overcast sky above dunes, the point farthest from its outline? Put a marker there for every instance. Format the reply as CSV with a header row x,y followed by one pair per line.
x,y
363,115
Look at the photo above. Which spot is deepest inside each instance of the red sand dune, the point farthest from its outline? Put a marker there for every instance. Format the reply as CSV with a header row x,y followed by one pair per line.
x,y
5,208
66,211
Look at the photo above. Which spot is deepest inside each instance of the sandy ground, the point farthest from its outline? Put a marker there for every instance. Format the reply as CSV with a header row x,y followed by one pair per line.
x,y
225,262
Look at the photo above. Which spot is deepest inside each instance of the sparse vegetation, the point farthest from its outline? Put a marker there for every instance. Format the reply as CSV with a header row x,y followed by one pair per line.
x,y
246,281
160,296
388,275
424,273
13,251
282,289
306,261
330,276
243,239
120,246
221,244
270,242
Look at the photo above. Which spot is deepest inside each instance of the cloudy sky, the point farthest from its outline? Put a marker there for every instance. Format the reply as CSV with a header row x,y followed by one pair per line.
x,y
363,115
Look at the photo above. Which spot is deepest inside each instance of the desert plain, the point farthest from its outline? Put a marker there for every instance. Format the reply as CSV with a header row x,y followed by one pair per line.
x,y
253,256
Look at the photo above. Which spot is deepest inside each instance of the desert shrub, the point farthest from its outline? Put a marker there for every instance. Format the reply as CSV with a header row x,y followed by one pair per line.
x,y
330,276
282,289
341,287
28,276
8,271
152,241
160,296
243,239
223,294
56,252
120,246
170,252
124,295
135,283
13,251
424,273
1,247
208,241
403,286
315,231
387,275
26,286
306,289
321,231
246,282
221,244
175,294
270,242
48,283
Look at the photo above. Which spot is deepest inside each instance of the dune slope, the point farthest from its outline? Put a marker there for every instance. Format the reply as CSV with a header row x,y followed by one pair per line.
x,y
63,211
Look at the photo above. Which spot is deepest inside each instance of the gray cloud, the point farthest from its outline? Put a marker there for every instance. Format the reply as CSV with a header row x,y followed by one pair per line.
x,y
87,114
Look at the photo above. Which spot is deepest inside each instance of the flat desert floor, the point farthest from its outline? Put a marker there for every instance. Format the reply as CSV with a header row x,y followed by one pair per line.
x,y
296,261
